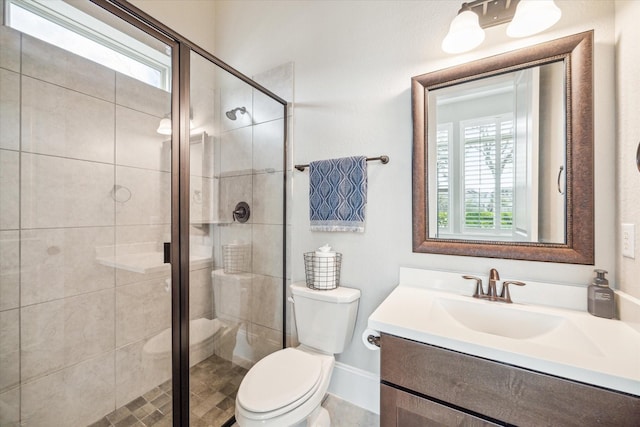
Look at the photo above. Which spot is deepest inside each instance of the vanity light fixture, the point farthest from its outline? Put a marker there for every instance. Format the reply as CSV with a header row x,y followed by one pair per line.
x,y
532,17
525,18
464,33
164,128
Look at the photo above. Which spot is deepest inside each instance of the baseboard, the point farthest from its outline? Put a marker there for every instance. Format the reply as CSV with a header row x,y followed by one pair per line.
x,y
356,386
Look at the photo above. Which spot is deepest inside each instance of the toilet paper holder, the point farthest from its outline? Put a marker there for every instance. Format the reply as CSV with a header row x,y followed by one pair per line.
x,y
372,339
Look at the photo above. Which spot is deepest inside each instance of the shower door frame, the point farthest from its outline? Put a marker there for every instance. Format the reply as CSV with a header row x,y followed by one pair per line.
x,y
180,181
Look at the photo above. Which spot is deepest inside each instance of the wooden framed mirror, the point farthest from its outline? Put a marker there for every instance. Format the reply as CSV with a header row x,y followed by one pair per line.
x,y
503,155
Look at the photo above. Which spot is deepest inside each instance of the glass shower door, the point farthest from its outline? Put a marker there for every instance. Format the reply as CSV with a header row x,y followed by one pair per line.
x,y
237,218
85,301
86,205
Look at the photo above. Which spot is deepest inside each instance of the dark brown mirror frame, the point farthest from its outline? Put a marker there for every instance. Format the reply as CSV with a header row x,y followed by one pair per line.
x,y
577,52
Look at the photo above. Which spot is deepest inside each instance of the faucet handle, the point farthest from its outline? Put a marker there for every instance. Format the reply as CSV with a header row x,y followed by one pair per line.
x,y
479,292
504,294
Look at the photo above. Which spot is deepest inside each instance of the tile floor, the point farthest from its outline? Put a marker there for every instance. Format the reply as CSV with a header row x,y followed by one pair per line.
x,y
214,384
344,414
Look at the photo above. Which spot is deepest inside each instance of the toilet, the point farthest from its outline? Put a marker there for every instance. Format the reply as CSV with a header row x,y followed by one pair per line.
x,y
287,387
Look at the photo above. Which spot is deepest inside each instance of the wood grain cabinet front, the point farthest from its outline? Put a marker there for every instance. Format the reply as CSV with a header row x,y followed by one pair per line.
x,y
402,409
427,385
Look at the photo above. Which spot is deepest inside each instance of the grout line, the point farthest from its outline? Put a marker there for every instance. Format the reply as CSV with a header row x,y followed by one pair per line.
x,y
19,235
70,89
114,240
57,156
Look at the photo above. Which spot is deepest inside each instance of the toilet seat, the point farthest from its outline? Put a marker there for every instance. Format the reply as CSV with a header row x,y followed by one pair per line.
x,y
279,382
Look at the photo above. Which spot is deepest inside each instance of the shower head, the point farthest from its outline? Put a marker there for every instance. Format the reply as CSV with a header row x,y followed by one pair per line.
x,y
231,114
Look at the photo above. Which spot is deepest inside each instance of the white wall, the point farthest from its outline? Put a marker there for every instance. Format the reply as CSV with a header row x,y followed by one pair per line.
x,y
628,137
353,65
193,19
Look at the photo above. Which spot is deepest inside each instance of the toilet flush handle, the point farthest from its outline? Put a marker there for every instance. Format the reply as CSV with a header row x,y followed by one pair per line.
x,y
290,299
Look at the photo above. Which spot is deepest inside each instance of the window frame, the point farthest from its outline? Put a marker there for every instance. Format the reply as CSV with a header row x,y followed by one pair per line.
x,y
456,162
74,20
496,231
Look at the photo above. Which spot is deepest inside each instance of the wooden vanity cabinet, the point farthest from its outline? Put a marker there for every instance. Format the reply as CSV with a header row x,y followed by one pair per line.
x,y
424,385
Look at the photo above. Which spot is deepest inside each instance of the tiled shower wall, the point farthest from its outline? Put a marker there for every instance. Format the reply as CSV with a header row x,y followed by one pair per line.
x,y
251,169
71,329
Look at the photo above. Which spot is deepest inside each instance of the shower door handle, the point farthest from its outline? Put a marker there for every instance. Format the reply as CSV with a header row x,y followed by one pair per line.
x,y
167,252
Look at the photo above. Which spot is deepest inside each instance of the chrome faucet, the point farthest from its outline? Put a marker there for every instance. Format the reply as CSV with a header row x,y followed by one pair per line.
x,y
492,292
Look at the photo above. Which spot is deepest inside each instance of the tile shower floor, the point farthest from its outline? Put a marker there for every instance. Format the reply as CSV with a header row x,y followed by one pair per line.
x,y
214,383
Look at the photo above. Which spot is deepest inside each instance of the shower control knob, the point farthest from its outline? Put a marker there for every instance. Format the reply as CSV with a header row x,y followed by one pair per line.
x,y
242,212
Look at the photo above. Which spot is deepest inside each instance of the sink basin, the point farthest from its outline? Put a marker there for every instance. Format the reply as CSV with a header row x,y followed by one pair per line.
x,y
548,329
496,319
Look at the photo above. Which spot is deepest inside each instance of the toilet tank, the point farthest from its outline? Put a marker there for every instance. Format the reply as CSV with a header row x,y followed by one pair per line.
x,y
325,319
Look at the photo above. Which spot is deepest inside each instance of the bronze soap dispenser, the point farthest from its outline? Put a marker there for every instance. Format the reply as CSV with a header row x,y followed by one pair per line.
x,y
601,301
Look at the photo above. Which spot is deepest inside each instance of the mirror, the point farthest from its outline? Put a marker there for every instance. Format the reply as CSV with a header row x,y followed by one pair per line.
x,y
489,176
503,155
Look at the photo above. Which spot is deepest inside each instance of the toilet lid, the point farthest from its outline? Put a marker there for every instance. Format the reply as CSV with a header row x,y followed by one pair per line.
x,y
279,379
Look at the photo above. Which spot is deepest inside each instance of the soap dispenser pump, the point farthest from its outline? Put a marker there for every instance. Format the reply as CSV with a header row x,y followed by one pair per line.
x,y
601,301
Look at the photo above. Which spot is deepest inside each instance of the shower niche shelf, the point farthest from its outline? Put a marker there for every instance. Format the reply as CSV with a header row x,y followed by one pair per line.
x,y
144,258
201,222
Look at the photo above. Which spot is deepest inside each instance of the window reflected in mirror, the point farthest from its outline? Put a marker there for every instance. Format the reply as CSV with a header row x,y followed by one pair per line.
x,y
499,156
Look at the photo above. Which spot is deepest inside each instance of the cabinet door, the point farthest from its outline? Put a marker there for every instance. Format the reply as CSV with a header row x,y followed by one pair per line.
x,y
502,392
400,409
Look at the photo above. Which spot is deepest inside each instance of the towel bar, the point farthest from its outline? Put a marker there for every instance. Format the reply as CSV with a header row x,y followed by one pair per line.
x,y
383,159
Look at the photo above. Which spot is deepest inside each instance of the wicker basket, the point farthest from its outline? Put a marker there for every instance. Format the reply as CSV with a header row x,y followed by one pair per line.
x,y
235,258
322,273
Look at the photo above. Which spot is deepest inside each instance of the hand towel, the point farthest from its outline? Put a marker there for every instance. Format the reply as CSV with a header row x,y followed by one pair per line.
x,y
338,194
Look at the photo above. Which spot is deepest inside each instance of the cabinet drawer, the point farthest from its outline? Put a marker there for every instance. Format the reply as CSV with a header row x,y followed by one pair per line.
x,y
499,391
401,409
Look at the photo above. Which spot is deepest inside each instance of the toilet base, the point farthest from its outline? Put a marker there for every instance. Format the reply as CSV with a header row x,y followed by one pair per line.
x,y
319,418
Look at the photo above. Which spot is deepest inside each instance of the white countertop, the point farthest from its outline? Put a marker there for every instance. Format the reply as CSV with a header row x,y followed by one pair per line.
x,y
578,346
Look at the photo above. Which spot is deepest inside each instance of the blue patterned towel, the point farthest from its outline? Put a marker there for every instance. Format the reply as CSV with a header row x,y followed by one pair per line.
x,y
338,194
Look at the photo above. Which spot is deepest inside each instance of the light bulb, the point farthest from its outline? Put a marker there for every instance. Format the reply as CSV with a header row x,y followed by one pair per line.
x,y
464,33
165,127
533,16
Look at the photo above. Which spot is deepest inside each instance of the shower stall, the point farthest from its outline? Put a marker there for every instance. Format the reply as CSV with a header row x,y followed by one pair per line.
x,y
143,256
